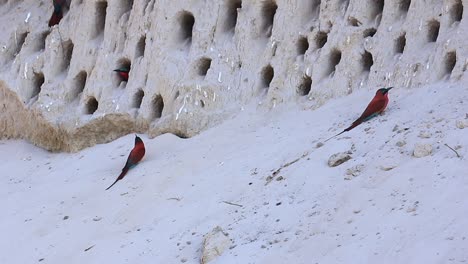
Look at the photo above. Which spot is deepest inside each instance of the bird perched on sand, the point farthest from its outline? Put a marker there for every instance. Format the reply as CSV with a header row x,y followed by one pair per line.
x,y
123,72
375,107
57,15
134,157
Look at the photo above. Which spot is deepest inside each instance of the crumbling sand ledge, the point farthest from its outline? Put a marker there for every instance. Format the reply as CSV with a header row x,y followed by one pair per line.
x,y
195,63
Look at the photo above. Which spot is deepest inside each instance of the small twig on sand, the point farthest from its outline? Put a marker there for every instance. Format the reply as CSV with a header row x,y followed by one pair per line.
x,y
226,202
175,198
458,155
89,248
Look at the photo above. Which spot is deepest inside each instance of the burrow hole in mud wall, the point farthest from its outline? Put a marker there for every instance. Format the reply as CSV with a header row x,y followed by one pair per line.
x,y
38,81
125,6
344,4
400,43
231,15
267,76
138,98
100,17
367,61
314,8
203,65
403,6
157,106
140,47
321,39
122,71
333,61
304,86
40,41
302,45
148,4
66,55
91,105
79,83
269,8
18,42
433,28
376,8
186,22
456,11
370,32
352,21
450,61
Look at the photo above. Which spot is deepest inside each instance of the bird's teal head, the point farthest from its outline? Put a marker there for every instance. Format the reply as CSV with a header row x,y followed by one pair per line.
x,y
384,91
57,8
138,139
122,69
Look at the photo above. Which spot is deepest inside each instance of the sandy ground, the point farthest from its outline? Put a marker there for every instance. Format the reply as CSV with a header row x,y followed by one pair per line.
x,y
287,205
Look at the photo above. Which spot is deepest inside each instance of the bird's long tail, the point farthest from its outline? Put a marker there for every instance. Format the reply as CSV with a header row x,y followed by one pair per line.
x,y
355,124
122,174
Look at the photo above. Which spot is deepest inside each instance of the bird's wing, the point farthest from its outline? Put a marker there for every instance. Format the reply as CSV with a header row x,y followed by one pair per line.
x,y
135,156
375,107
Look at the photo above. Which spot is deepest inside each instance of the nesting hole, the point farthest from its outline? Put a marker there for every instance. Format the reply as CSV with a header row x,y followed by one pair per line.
x,y
40,41
267,76
66,55
38,81
79,83
304,87
400,43
157,106
138,98
302,45
377,7
186,22
202,104
140,47
100,17
269,8
352,21
122,64
433,30
334,60
403,6
320,39
91,105
450,61
203,66
231,15
126,5
367,61
19,42
456,11
314,7
370,32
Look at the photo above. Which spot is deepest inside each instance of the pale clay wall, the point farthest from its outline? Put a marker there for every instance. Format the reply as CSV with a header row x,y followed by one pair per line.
x,y
303,52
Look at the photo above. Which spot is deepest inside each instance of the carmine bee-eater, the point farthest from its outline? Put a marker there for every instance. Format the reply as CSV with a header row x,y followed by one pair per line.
x,y
58,12
123,73
375,107
134,157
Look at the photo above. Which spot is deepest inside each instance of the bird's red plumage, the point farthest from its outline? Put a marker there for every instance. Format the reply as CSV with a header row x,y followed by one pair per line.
x,y
375,107
55,18
135,156
123,75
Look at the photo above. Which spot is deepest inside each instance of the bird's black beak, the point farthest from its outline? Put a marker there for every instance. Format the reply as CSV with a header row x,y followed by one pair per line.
x,y
389,88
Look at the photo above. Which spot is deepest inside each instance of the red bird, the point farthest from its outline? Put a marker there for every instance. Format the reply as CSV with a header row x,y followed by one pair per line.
x,y
57,15
375,107
134,157
123,73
